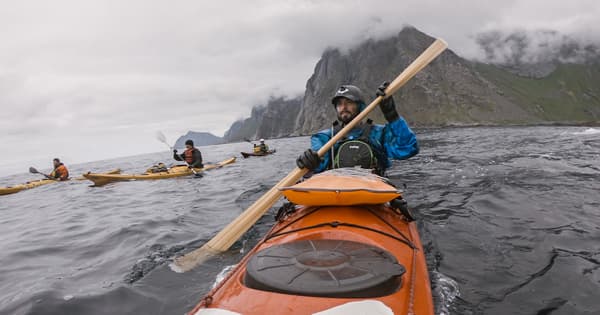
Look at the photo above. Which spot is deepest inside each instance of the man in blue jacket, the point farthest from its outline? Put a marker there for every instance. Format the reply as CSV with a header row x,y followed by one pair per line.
x,y
367,145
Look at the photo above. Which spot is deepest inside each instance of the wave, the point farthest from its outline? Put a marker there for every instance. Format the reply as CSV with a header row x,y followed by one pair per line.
x,y
589,131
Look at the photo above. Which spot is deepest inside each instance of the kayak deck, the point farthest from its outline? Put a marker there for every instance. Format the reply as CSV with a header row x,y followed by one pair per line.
x,y
372,225
176,171
357,253
114,171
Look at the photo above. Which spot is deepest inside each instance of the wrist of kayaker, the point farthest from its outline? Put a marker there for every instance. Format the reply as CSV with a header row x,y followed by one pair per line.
x,y
388,108
309,160
387,105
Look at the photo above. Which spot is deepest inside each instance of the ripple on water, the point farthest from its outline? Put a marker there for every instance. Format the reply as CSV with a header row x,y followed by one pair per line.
x,y
509,224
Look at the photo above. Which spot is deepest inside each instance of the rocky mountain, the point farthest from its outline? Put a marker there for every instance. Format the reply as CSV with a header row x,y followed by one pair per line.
x,y
275,119
449,91
199,138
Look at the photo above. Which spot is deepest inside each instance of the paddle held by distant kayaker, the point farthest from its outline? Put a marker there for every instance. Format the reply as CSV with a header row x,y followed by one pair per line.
x,y
191,155
367,145
60,171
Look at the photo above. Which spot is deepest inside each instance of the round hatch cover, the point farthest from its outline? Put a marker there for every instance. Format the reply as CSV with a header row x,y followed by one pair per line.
x,y
327,268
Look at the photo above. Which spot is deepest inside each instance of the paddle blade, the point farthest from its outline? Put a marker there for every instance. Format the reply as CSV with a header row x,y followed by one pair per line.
x,y
192,259
33,170
161,137
234,230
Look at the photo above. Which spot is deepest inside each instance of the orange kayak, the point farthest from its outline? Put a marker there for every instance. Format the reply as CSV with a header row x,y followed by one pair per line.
x,y
353,254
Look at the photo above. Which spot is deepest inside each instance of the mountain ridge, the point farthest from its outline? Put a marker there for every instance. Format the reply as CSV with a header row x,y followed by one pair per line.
x,y
451,91
199,138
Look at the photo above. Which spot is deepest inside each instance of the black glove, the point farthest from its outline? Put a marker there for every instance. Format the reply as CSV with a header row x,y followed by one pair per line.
x,y
309,159
387,105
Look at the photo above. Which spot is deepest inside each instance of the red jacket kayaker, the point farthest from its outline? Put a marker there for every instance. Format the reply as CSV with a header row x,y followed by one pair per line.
x,y
60,171
191,155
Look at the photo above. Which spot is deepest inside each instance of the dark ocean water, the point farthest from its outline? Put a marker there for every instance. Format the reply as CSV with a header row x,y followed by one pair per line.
x,y
509,217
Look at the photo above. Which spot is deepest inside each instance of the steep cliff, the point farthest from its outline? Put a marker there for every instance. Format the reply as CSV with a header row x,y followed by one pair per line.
x,y
450,91
275,119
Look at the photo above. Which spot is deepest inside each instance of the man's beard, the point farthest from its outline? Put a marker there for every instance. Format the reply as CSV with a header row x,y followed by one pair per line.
x,y
347,117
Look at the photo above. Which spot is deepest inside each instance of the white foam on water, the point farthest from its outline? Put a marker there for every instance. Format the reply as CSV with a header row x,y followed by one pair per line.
x,y
445,292
222,275
589,131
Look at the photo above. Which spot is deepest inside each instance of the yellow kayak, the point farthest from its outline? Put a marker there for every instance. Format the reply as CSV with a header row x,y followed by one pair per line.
x,y
36,183
28,185
175,171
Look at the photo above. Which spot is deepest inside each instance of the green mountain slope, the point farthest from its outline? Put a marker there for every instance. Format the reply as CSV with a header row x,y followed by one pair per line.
x,y
570,94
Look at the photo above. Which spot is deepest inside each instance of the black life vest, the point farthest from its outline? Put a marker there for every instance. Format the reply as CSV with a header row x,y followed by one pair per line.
x,y
355,152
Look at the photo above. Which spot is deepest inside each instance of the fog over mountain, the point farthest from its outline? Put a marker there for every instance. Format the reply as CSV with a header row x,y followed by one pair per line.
x,y
537,78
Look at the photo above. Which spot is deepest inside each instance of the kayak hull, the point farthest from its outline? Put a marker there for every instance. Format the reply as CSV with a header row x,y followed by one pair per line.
x,y
378,226
249,154
176,171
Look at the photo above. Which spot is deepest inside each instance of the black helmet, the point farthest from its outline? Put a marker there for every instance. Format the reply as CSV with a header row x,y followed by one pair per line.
x,y
189,142
350,92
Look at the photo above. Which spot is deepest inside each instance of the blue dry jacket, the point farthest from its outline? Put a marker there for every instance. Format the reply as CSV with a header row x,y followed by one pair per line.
x,y
394,140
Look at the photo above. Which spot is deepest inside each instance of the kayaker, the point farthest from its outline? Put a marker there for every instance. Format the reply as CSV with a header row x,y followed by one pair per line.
x,y
262,147
60,171
191,155
367,145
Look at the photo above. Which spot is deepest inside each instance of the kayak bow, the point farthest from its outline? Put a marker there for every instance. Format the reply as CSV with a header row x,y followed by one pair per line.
x,y
351,253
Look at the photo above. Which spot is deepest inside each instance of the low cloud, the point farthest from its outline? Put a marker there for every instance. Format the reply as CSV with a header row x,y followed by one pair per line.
x,y
530,47
76,72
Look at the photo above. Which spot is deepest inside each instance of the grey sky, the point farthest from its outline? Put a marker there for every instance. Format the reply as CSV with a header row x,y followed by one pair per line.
x,y
87,80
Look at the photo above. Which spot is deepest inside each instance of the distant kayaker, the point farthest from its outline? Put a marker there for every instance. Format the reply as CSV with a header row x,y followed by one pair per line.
x,y
367,145
262,147
60,171
191,155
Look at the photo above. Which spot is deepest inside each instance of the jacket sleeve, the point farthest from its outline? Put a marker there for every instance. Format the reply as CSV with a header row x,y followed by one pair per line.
x,y
317,141
177,157
399,140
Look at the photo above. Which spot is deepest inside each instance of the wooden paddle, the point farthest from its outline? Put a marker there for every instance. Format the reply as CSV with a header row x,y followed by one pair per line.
x,y
161,137
234,230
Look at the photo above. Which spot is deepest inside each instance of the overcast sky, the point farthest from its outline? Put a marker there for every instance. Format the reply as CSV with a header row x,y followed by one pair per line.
x,y
86,80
